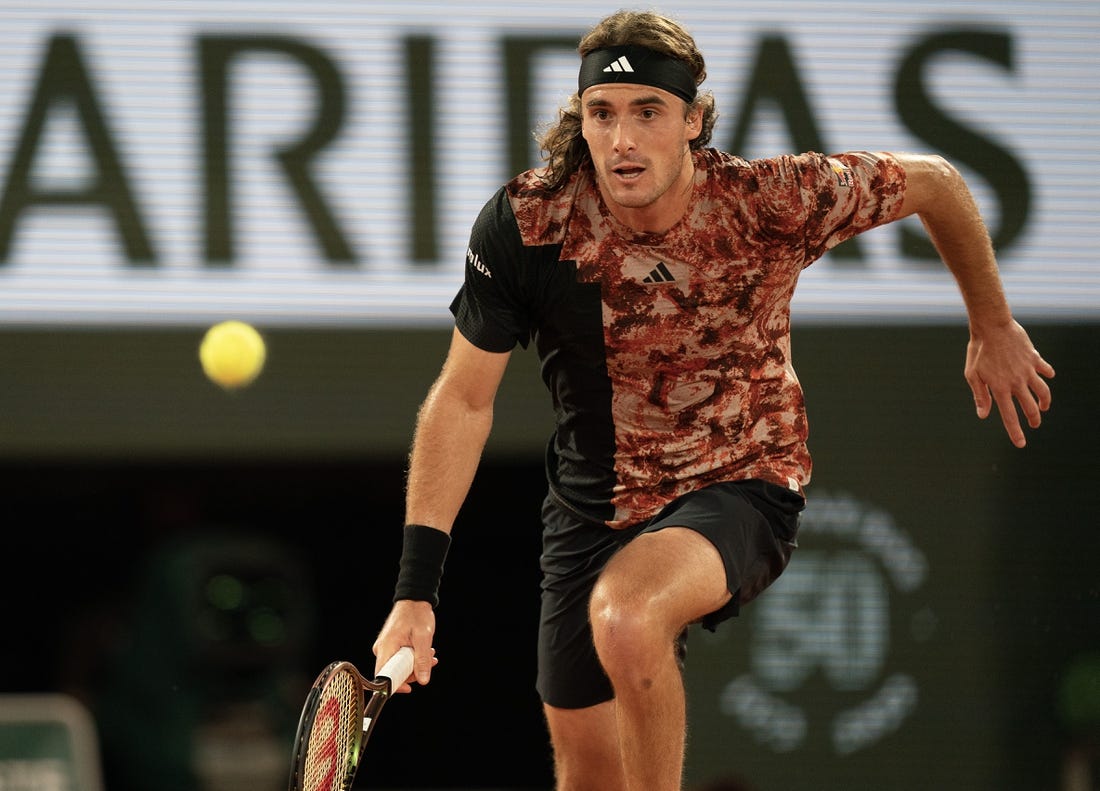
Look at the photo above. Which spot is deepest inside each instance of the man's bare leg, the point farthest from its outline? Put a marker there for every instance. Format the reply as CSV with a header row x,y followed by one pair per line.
x,y
648,593
586,748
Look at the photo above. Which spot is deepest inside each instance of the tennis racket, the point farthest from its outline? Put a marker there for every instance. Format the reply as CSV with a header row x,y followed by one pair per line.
x,y
337,719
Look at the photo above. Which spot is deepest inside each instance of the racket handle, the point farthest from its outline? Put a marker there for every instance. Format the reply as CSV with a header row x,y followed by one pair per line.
x,y
399,666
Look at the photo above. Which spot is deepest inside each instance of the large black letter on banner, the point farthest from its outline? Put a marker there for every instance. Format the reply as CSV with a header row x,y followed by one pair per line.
x,y
215,53
956,142
419,65
519,52
63,79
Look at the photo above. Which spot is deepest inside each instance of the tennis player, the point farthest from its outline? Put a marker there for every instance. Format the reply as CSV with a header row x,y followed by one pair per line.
x,y
654,276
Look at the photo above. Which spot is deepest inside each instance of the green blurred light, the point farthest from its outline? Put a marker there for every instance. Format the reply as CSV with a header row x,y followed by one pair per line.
x,y
1079,692
225,591
267,627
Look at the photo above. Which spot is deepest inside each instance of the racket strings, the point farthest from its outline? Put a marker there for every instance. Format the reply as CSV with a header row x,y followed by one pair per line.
x,y
333,746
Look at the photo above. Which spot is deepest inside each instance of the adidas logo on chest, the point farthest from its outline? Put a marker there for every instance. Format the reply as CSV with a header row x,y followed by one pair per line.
x,y
659,274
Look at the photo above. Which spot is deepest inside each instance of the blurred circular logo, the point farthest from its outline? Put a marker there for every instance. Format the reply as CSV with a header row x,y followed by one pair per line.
x,y
821,636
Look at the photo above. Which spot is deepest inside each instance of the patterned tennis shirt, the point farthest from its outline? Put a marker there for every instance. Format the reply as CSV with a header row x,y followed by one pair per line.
x,y
667,356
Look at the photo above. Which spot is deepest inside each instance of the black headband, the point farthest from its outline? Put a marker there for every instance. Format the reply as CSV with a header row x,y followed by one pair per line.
x,y
637,64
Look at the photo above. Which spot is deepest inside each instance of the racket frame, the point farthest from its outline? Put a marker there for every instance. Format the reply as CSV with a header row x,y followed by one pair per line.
x,y
371,697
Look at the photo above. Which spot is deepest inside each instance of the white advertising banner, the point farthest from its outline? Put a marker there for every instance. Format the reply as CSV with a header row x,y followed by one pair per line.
x,y
306,164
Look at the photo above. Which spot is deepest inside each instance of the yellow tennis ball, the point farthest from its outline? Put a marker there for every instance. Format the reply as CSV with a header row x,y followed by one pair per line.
x,y
232,354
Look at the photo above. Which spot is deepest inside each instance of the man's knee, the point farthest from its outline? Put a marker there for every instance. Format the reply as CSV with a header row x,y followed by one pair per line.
x,y
627,625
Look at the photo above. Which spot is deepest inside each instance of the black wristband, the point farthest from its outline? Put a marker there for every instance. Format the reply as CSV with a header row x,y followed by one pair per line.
x,y
422,554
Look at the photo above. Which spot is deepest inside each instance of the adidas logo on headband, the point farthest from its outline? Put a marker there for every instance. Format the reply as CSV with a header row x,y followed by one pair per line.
x,y
638,65
622,64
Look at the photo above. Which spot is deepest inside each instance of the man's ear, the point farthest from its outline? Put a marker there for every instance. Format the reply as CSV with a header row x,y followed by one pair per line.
x,y
695,123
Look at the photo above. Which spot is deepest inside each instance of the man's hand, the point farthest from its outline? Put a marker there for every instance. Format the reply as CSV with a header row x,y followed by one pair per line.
x,y
410,623
1003,367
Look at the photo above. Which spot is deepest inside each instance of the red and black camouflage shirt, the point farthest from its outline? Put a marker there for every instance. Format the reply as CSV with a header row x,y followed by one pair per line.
x,y
667,356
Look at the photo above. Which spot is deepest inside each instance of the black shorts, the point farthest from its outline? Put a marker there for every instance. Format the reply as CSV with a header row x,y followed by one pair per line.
x,y
753,524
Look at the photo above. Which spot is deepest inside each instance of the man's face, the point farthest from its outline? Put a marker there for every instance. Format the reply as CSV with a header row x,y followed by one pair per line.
x,y
640,145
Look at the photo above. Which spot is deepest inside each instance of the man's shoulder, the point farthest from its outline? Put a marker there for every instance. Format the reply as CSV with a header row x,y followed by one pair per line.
x,y
722,163
727,171
530,184
542,212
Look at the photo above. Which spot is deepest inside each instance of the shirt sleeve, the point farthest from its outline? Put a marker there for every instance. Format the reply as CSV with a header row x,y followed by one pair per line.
x,y
847,194
489,309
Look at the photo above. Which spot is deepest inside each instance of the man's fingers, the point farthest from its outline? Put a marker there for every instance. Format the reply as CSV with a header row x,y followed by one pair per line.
x,y
982,400
1041,390
423,664
1045,368
420,663
1029,405
1015,386
1012,426
1006,405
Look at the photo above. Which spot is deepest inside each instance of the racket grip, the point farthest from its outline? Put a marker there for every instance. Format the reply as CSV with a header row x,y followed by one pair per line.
x,y
398,667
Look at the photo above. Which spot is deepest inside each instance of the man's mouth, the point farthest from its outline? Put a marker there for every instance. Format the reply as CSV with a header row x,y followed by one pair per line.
x,y
628,170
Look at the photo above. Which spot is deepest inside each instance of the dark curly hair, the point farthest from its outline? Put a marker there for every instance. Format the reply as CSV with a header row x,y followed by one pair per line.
x,y
563,148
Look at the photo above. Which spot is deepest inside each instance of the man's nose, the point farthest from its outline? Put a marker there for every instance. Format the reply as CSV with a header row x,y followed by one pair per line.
x,y
623,137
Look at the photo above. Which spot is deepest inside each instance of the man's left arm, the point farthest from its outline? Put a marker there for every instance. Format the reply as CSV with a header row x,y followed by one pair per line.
x,y
1002,365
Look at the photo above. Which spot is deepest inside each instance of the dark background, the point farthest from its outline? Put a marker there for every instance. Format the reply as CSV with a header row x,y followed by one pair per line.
x,y
129,483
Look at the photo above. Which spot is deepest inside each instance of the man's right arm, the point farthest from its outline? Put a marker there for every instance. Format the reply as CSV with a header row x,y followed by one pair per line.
x,y
1002,365
451,430
452,427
